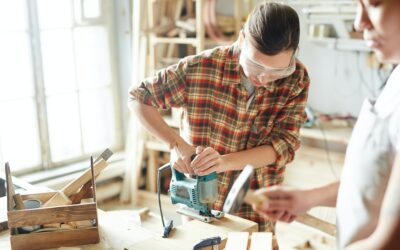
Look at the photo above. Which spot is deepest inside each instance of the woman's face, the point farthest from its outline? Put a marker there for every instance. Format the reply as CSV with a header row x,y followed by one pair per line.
x,y
380,22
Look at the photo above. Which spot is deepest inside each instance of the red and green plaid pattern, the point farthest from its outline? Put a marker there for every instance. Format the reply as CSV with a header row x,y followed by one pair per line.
x,y
208,88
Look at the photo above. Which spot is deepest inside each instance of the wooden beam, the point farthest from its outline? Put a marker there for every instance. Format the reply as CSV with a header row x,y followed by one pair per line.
x,y
237,241
261,241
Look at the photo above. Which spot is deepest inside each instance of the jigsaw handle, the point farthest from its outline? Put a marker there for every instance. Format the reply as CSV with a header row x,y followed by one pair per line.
x,y
209,177
180,176
176,175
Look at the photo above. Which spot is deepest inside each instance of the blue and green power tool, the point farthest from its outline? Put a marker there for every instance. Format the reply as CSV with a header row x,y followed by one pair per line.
x,y
198,193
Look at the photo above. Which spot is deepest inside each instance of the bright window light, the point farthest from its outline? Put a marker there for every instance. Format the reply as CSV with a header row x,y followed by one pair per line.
x,y
57,102
91,8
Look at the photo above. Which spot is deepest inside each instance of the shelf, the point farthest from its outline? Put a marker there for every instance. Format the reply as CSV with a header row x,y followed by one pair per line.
x,y
178,40
329,132
341,43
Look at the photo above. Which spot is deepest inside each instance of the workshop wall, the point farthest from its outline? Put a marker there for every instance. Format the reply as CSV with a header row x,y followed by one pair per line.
x,y
340,79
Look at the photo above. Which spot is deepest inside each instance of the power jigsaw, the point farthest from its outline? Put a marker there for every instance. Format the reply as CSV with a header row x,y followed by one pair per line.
x,y
198,193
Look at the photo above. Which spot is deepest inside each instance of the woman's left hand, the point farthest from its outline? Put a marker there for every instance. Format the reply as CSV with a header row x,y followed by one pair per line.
x,y
207,160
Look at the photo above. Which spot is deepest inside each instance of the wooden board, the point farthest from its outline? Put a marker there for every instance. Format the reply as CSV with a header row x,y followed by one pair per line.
x,y
118,232
256,241
261,241
237,241
55,239
61,198
190,233
40,216
297,236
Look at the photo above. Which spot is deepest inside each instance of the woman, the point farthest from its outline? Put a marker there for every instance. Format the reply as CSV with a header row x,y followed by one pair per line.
x,y
368,195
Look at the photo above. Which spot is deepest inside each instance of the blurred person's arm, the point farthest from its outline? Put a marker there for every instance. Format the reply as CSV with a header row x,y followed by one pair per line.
x,y
387,233
285,204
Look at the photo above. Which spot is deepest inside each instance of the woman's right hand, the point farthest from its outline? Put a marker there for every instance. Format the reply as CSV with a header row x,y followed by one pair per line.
x,y
181,155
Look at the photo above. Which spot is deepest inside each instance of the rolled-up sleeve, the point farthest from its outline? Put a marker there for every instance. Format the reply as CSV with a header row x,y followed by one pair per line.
x,y
284,137
166,89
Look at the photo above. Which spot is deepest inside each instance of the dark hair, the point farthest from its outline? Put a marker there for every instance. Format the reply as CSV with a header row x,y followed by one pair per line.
x,y
274,28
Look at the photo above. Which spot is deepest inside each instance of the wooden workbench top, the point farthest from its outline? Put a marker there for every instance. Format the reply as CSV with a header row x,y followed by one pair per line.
x,y
118,232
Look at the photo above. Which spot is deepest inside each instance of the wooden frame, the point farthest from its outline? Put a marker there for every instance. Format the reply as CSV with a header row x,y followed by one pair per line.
x,y
48,215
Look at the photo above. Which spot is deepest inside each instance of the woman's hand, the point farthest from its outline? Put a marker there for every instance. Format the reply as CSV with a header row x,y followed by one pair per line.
x,y
207,160
181,156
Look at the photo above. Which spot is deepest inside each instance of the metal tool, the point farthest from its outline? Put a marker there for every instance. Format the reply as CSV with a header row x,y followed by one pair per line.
x,y
213,241
240,193
198,193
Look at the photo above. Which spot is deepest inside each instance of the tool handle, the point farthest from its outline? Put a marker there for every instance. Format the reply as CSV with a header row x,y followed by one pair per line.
x,y
207,242
176,175
180,176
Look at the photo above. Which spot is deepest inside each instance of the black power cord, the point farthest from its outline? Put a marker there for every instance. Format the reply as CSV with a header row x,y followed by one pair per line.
x,y
170,224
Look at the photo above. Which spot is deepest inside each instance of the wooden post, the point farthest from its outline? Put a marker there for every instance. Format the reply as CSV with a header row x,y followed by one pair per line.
x,y
200,31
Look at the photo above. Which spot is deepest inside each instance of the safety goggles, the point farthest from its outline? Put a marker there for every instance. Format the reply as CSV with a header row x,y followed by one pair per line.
x,y
262,72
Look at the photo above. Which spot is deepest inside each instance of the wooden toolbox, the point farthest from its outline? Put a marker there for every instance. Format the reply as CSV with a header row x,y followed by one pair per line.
x,y
75,214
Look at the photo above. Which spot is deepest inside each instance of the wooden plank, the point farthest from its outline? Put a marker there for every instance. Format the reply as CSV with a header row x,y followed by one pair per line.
x,y
152,169
39,216
61,198
200,30
177,40
261,241
297,236
238,16
74,185
317,223
55,239
19,204
10,188
84,192
93,178
119,232
135,144
183,236
237,241
43,197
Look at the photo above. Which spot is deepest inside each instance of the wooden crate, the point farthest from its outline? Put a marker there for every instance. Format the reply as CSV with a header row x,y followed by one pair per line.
x,y
48,215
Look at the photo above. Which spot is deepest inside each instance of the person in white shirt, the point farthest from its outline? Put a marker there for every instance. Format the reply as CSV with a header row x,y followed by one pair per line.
x,y
367,197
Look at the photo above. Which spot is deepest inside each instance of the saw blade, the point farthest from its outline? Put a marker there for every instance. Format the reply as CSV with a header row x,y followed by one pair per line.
x,y
194,214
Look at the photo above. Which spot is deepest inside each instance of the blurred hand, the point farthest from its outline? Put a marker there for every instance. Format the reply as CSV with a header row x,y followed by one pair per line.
x,y
207,160
282,203
180,157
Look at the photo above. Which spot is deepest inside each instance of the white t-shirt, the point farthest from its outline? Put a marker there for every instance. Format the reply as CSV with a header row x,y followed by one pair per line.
x,y
369,159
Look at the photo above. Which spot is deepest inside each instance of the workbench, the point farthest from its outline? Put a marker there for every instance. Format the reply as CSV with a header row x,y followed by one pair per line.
x,y
119,231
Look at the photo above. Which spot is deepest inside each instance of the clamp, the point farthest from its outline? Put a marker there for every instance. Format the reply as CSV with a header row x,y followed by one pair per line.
x,y
213,241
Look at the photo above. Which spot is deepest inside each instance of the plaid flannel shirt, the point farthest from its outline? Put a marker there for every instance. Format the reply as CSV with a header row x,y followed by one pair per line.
x,y
208,88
